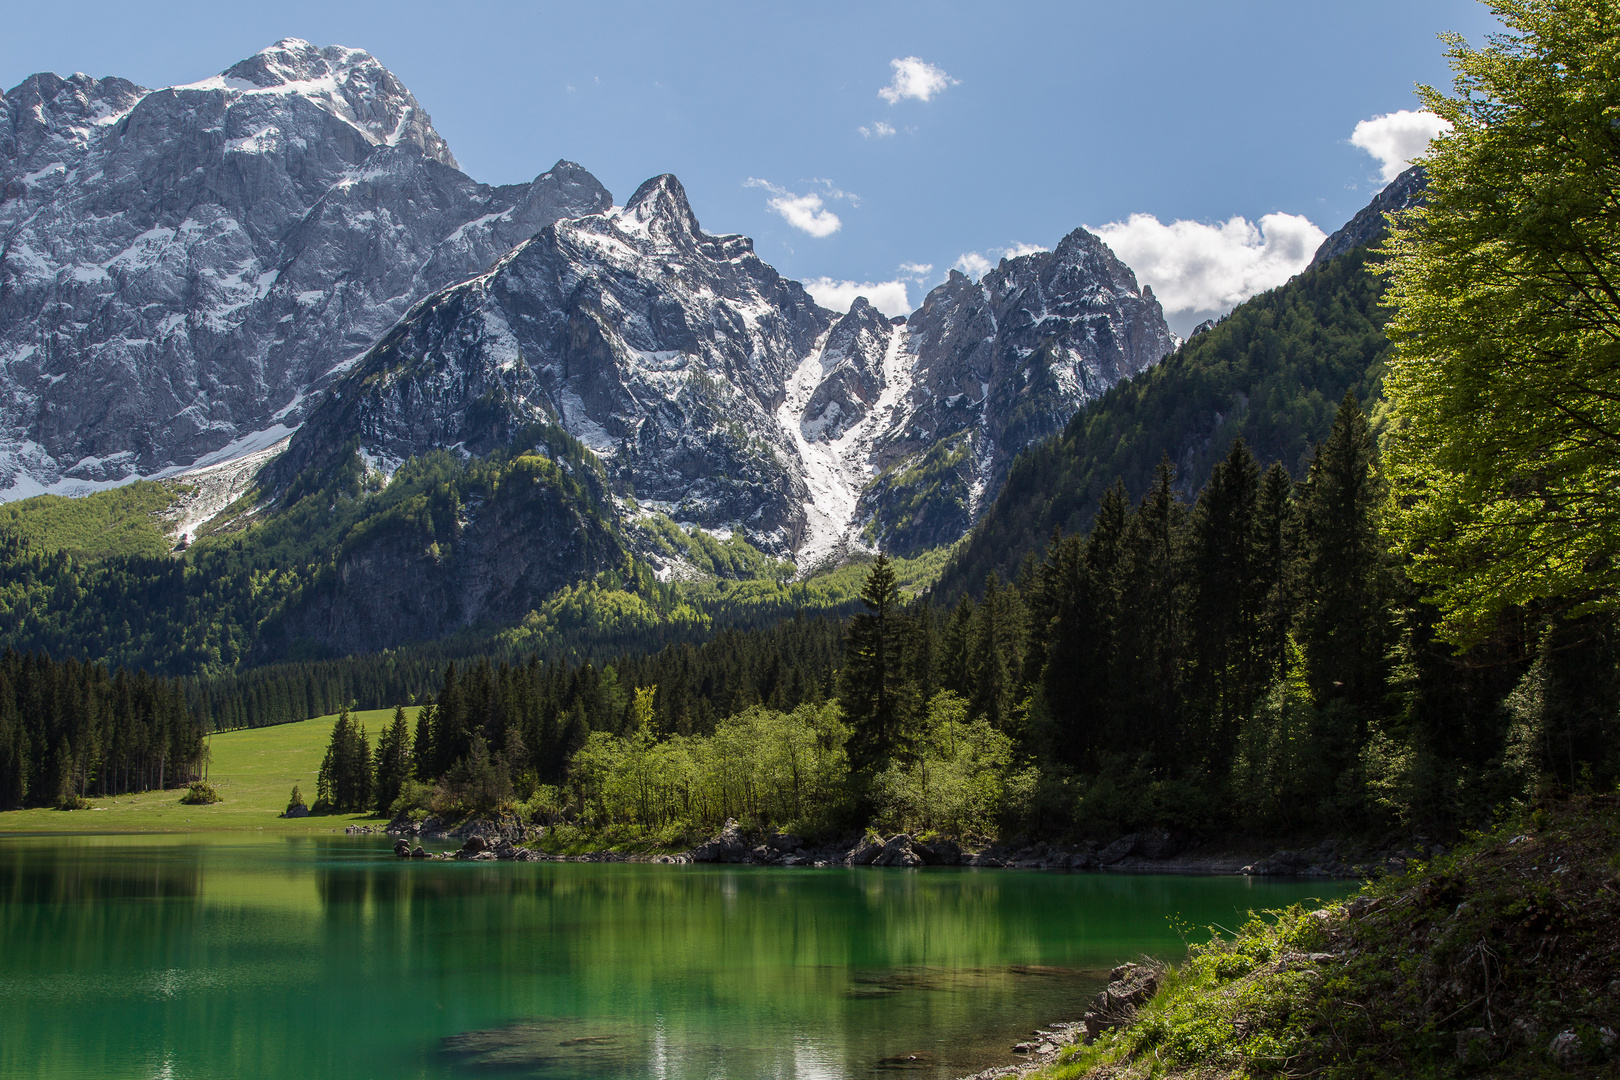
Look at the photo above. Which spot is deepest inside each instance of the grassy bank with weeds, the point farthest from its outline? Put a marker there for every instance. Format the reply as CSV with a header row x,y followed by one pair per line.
x,y
1501,959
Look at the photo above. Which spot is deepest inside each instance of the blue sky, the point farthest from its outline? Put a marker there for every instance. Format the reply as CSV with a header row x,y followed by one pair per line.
x,y
1016,123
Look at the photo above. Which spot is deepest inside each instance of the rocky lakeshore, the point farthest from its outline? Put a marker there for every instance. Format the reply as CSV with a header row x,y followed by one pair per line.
x,y
508,839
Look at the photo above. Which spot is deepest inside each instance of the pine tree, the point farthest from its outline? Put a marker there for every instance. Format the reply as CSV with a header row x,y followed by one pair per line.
x,y
393,760
1228,602
1344,620
874,690
332,782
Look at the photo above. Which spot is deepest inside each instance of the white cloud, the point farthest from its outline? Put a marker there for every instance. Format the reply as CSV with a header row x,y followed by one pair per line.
x,y
807,213
888,297
914,78
976,265
1212,268
878,130
1398,137
972,264
920,270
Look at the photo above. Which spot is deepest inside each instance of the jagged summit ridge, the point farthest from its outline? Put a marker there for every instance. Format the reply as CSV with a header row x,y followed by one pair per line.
x,y
1002,363
722,394
183,270
663,348
349,83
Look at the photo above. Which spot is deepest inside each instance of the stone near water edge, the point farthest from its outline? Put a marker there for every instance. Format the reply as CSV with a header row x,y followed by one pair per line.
x,y
940,852
402,848
726,846
296,811
864,852
1129,986
897,852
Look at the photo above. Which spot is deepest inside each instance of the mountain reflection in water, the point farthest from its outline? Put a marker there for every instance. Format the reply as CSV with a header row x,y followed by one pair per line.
x,y
326,957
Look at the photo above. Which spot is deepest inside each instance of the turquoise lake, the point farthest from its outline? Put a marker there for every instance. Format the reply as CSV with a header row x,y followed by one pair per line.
x,y
225,956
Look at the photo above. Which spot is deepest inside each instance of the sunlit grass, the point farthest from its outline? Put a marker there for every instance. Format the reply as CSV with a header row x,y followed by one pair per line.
x,y
253,770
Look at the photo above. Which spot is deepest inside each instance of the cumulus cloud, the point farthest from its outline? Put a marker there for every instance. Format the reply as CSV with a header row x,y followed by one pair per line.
x,y
914,78
972,264
1398,137
976,264
1194,267
878,130
918,270
807,213
888,297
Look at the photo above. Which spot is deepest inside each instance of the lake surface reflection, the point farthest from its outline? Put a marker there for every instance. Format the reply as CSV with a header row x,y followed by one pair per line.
x,y
231,957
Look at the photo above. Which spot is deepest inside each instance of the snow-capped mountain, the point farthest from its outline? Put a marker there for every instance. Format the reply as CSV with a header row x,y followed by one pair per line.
x,y
182,269
189,275
721,394
1001,364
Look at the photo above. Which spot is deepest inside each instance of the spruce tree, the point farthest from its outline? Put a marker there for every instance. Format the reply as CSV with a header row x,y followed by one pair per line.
x,y
1344,620
874,688
1228,602
393,760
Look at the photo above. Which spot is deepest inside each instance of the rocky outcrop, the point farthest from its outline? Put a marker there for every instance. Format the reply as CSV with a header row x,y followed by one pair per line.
x,y
392,582
1129,988
728,846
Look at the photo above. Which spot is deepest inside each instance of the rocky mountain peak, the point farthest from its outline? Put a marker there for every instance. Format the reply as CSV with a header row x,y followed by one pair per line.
x,y
46,122
348,83
182,271
660,207
1085,250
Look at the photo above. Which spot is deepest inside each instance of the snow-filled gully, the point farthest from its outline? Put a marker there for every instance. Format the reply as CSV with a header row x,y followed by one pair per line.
x,y
836,471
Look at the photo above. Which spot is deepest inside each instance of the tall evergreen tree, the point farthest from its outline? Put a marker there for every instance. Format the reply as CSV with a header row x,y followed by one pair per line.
x,y
1344,618
874,692
1228,602
394,765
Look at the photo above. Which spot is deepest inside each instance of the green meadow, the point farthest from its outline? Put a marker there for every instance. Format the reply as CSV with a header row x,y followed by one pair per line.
x,y
253,770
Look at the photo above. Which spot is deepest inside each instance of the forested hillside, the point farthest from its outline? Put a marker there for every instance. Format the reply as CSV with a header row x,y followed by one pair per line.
x,y
1272,372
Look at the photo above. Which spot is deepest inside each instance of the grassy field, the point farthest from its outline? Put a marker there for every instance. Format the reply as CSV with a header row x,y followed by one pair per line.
x,y
253,770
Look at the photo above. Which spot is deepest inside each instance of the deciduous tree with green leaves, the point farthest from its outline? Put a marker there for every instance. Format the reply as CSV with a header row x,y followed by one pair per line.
x,y
1505,451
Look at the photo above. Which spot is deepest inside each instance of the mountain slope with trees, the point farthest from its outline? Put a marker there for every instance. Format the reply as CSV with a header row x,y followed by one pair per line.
x,y
1272,372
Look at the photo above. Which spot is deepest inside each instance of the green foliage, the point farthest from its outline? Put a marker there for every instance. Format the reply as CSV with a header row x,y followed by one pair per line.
x,y
1466,966
394,762
210,611
920,503
733,558
345,782
121,522
956,780
200,793
70,730
1507,317
296,800
786,770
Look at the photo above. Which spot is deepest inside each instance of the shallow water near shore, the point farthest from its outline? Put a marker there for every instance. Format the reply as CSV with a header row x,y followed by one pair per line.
x,y
239,957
